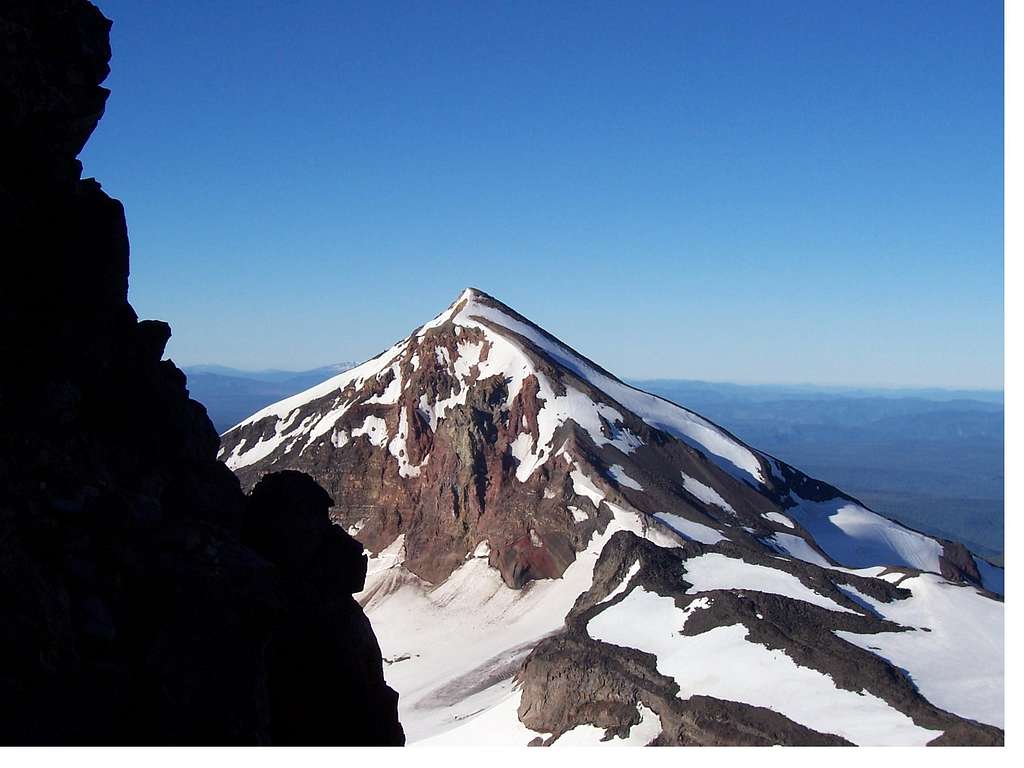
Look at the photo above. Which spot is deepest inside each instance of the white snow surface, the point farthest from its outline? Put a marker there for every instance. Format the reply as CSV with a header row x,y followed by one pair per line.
x,y
618,474
523,450
483,549
584,486
640,735
578,514
397,448
496,725
958,664
705,493
705,534
723,663
797,547
716,571
470,631
374,428
775,517
634,569
857,537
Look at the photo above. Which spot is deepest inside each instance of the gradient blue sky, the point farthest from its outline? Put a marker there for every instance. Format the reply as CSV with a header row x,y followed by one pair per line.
x,y
746,191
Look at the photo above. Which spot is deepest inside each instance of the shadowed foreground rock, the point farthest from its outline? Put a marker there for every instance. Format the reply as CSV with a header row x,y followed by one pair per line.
x,y
143,598
325,643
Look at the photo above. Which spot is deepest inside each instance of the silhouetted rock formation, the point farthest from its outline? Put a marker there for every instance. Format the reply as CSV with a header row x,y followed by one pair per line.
x,y
143,599
325,644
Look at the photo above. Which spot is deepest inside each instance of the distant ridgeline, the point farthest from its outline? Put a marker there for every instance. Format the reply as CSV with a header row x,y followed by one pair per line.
x,y
930,458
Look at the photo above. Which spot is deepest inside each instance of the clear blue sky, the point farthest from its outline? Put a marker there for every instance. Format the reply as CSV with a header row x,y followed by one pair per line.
x,y
747,191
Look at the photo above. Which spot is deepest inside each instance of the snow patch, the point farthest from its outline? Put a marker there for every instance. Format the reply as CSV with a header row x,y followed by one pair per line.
x,y
724,664
374,428
618,474
497,725
634,569
797,547
578,514
958,663
483,549
522,451
468,629
857,537
397,448
705,534
716,571
775,517
640,735
584,486
705,493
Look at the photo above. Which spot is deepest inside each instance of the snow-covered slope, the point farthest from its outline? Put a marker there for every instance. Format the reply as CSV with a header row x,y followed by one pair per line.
x,y
487,467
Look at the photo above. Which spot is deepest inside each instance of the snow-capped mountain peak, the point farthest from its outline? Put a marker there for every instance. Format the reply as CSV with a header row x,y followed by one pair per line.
x,y
494,472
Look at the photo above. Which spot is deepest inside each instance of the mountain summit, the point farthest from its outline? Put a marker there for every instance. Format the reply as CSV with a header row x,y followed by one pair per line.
x,y
560,557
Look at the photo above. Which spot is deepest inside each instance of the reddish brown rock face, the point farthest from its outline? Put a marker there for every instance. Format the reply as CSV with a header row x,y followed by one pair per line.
x,y
447,486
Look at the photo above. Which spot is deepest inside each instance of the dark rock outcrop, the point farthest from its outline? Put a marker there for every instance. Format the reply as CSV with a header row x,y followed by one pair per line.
x,y
324,645
571,679
143,598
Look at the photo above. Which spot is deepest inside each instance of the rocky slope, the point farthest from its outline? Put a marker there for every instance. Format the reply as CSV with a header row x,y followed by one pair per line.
x,y
143,598
494,472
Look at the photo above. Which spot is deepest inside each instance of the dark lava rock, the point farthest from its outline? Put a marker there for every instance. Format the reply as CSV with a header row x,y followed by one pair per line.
x,y
143,598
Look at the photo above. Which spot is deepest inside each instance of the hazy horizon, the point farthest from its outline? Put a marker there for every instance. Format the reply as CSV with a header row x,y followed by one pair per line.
x,y
811,385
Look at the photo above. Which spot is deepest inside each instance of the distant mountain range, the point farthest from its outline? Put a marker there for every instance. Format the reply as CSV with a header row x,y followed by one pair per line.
x,y
930,458
231,394
558,557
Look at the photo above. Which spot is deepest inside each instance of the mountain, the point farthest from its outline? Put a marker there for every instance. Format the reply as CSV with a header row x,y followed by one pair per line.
x,y
231,394
559,557
929,458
